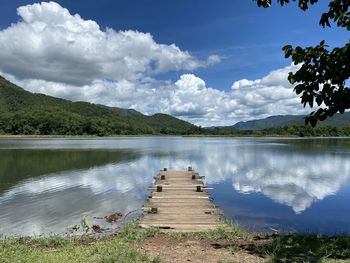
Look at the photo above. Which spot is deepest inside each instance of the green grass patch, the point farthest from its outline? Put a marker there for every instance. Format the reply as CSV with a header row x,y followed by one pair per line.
x,y
72,250
132,232
233,248
123,247
304,248
119,248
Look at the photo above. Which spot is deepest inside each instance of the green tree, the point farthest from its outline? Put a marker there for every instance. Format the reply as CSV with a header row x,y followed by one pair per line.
x,y
323,75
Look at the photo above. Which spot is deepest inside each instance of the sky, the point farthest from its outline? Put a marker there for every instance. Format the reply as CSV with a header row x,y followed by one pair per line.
x,y
207,62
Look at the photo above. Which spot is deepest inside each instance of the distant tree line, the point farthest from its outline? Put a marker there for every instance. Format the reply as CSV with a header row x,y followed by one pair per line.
x,y
306,131
62,123
295,130
25,113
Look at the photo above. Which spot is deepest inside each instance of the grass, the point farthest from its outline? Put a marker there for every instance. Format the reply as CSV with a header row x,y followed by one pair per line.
x,y
123,247
304,248
132,232
118,248
233,248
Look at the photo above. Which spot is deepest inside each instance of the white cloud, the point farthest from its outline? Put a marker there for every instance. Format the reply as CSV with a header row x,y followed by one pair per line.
x,y
52,45
53,52
188,98
213,59
248,99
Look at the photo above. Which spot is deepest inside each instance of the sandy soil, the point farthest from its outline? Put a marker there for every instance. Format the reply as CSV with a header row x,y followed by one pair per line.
x,y
189,249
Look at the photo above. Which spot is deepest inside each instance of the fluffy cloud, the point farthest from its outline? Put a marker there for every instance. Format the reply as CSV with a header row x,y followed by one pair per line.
x,y
188,98
247,99
52,45
267,96
54,52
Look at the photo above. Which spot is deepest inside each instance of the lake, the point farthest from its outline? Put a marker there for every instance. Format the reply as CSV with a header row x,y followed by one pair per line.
x,y
266,184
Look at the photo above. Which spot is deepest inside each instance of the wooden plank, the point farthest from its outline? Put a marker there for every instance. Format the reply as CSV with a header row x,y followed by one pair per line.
x,y
178,193
180,207
179,210
183,227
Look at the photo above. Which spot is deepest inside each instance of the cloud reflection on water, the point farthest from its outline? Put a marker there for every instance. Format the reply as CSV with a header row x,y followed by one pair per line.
x,y
287,175
57,201
284,173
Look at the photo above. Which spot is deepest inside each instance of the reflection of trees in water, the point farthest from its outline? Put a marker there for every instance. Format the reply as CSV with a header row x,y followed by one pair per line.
x,y
19,164
312,145
54,202
292,172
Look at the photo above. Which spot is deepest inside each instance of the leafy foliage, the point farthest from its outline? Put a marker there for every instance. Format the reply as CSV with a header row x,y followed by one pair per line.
x,y
85,224
22,112
323,75
25,113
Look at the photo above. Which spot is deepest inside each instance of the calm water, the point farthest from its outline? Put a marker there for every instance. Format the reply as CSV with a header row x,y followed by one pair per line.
x,y
49,185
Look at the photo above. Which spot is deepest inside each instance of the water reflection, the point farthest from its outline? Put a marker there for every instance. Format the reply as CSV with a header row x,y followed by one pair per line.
x,y
53,203
282,171
290,177
21,164
45,191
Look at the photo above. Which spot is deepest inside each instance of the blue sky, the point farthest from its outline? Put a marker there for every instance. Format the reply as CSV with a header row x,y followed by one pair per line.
x,y
247,39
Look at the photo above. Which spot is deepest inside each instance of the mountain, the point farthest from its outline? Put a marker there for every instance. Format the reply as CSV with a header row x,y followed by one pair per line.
x,y
23,112
121,111
338,120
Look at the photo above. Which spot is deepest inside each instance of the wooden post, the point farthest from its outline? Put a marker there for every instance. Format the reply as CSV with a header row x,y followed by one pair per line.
x,y
179,201
154,210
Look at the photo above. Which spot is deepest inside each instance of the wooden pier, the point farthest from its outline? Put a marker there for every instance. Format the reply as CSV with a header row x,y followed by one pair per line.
x,y
179,202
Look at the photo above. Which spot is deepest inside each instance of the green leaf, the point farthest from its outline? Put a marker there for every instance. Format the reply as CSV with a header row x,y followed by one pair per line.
x,y
311,102
85,224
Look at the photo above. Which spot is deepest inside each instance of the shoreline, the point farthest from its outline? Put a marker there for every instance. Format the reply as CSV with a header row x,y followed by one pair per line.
x,y
132,244
166,136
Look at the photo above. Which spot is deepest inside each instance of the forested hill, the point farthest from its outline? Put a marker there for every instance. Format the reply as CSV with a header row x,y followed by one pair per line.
x,y
23,112
338,120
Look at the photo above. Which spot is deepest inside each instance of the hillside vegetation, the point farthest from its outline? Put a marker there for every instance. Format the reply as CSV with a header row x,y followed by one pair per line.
x,y
22,112
26,113
338,120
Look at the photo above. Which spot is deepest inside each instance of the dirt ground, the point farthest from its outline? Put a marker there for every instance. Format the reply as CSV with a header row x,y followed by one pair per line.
x,y
189,249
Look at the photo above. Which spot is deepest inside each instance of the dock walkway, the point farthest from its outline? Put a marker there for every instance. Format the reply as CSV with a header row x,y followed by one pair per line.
x,y
179,202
